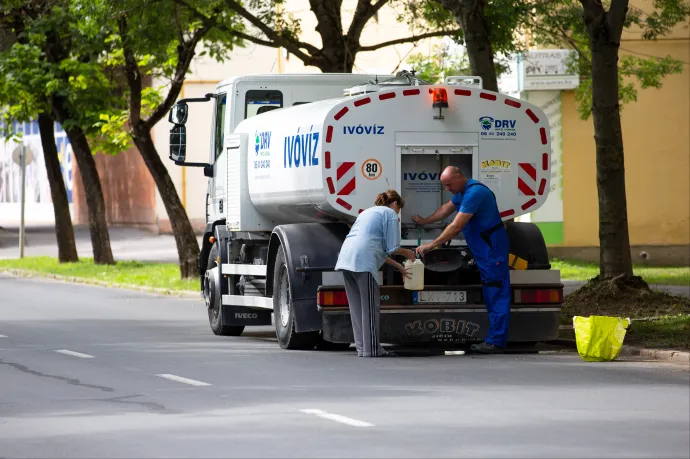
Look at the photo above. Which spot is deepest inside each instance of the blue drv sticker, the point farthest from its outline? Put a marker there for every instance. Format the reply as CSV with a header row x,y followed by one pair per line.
x,y
415,297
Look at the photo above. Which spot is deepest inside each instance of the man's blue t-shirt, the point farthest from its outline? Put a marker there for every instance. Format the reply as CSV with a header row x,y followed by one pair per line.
x,y
480,201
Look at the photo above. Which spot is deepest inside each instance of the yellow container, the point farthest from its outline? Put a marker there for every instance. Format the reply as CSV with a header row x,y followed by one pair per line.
x,y
599,338
516,262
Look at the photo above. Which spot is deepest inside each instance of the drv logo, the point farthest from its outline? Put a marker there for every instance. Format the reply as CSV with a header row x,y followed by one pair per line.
x,y
488,122
359,130
300,150
262,141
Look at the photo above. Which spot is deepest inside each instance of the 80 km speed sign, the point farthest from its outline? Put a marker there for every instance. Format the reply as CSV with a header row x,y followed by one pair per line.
x,y
371,169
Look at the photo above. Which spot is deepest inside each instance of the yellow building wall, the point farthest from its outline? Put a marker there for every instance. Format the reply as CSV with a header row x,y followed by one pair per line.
x,y
656,140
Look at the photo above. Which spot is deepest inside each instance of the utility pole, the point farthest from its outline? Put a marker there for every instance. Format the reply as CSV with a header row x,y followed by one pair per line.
x,y
279,26
22,160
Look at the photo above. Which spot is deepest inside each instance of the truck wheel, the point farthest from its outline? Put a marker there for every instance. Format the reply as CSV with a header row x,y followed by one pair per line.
x,y
283,313
214,298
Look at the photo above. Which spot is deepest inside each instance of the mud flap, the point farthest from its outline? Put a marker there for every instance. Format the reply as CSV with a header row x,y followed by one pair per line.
x,y
240,315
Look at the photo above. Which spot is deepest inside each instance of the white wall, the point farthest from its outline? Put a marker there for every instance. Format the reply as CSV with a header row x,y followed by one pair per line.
x,y
38,209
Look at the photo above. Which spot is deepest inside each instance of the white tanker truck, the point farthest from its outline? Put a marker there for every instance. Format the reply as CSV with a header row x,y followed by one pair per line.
x,y
295,158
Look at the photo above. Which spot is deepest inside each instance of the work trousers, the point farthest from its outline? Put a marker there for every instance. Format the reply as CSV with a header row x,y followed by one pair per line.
x,y
497,296
364,298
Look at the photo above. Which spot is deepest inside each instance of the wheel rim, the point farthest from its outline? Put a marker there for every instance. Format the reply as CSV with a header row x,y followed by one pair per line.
x,y
209,296
208,289
284,297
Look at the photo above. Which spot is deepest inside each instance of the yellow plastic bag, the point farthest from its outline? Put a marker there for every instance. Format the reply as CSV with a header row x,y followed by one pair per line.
x,y
599,338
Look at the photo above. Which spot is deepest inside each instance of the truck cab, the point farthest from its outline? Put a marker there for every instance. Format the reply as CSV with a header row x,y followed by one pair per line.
x,y
295,158
240,98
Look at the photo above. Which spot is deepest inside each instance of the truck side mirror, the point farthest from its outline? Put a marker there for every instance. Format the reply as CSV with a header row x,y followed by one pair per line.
x,y
178,114
178,143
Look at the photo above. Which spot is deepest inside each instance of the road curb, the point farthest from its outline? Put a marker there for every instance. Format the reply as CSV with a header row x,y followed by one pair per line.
x,y
657,354
627,350
86,281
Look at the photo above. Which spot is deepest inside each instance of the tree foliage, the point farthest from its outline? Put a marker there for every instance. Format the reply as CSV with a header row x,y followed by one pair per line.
x,y
594,29
267,23
153,50
503,17
441,63
51,69
560,23
488,30
75,74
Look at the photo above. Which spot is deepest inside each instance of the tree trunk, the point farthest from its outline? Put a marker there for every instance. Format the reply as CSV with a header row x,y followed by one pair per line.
x,y
100,238
64,231
98,228
470,15
336,62
187,244
336,54
614,241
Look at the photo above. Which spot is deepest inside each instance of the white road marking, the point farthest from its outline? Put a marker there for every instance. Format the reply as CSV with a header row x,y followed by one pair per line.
x,y
338,418
191,382
74,354
3,336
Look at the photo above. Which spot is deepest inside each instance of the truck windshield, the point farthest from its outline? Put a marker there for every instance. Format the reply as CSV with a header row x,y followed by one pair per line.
x,y
261,101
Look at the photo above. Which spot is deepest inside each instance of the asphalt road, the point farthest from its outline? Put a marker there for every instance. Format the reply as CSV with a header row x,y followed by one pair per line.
x,y
95,372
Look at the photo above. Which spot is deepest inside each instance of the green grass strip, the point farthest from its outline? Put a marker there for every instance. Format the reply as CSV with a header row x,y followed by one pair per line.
x,y
672,332
581,271
148,275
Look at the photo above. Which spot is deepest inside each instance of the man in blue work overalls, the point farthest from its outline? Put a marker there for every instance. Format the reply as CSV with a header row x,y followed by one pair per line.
x,y
479,220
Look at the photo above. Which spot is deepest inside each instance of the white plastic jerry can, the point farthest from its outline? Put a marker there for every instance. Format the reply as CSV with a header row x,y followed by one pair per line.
x,y
416,268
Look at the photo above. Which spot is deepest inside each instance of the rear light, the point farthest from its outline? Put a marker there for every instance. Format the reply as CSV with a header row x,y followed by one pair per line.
x,y
539,296
440,97
332,298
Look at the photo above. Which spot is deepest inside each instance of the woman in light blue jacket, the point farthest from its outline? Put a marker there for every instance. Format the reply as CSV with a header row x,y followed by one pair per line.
x,y
373,238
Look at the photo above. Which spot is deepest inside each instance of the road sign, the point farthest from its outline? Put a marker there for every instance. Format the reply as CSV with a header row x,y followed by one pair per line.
x,y
28,155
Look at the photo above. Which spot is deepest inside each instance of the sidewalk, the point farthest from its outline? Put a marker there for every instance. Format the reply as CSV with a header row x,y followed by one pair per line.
x,y
126,243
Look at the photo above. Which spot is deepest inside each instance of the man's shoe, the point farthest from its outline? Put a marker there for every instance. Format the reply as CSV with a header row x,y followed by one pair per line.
x,y
486,348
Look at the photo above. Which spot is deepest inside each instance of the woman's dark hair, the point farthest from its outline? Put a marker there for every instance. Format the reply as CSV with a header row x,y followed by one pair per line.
x,y
389,197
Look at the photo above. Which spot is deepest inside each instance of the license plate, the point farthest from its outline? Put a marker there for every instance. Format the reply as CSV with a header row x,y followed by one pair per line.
x,y
440,297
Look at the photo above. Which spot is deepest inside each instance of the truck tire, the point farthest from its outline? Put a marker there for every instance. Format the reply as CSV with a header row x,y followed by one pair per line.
x,y
215,311
283,313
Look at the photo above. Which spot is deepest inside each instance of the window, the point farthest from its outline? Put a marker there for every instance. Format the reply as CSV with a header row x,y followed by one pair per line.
x,y
262,101
221,105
